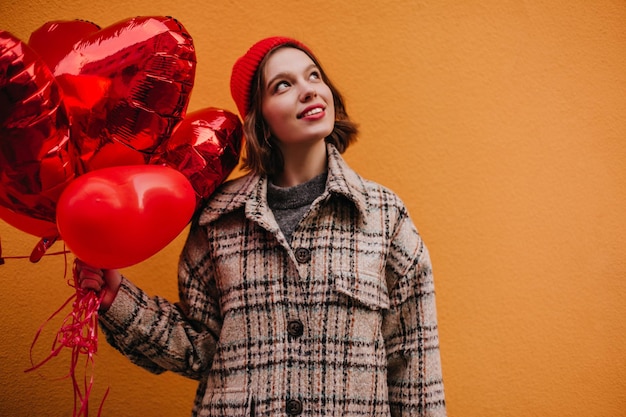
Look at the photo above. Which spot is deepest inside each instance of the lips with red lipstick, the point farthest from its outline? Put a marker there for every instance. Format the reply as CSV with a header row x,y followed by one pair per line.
x,y
312,111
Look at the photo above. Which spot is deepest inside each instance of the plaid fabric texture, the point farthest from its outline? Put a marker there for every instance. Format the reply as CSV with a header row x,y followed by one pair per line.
x,y
341,322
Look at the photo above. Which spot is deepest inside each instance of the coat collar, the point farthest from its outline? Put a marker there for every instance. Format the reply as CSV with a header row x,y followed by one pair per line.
x,y
250,191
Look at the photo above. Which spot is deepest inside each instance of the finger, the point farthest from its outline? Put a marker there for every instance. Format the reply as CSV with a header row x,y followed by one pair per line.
x,y
89,279
96,275
80,265
90,284
91,271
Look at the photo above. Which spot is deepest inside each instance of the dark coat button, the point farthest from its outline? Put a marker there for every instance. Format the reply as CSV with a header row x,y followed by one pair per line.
x,y
295,328
294,407
303,255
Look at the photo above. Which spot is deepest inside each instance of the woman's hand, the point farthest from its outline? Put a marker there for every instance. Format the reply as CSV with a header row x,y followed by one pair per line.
x,y
91,278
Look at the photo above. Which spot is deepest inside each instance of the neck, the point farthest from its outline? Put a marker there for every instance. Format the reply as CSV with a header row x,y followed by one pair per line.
x,y
302,163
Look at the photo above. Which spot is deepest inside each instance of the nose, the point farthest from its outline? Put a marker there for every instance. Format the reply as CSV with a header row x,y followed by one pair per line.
x,y
308,92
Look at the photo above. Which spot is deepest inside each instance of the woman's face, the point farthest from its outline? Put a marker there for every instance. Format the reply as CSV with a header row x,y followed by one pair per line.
x,y
297,104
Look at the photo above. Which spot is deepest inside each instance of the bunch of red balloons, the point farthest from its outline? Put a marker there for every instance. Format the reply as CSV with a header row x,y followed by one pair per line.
x,y
96,147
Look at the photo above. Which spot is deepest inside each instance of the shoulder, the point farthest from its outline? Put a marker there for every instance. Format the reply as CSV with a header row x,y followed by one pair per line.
x,y
382,197
369,196
228,197
388,209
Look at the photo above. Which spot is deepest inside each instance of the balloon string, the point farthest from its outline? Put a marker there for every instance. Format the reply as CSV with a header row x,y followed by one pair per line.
x,y
79,333
28,257
39,251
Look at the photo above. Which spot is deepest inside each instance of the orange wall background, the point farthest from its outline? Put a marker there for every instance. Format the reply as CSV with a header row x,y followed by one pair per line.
x,y
502,124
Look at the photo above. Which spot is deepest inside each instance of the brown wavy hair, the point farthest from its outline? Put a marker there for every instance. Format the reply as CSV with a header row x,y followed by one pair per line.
x,y
263,156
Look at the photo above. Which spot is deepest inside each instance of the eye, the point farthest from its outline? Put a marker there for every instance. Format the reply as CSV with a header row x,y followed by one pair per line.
x,y
280,86
315,74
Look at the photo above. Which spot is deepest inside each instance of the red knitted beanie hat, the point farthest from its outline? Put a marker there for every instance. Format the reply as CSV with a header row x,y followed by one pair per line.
x,y
246,66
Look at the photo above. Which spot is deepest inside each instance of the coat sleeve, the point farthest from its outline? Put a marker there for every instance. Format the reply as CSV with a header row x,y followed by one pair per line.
x,y
410,328
158,335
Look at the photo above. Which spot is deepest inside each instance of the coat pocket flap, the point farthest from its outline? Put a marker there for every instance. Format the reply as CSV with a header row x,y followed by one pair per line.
x,y
367,288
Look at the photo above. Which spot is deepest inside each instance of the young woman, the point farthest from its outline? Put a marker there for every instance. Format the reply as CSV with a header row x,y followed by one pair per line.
x,y
304,288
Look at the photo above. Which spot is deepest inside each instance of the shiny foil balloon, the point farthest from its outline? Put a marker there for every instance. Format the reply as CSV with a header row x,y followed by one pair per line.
x,y
119,216
30,225
54,40
35,157
205,147
126,87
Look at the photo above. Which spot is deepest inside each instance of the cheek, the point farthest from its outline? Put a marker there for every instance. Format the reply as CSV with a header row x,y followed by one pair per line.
x,y
328,97
268,117
331,115
273,114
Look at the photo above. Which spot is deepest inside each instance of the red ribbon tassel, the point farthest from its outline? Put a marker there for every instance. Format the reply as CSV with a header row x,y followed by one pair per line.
x,y
79,334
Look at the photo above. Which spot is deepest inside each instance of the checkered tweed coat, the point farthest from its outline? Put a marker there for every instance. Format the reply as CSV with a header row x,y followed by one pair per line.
x,y
341,321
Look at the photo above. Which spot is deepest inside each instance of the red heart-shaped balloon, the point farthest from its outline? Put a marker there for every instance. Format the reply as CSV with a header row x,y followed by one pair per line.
x,y
126,87
54,40
119,216
205,147
36,162
28,224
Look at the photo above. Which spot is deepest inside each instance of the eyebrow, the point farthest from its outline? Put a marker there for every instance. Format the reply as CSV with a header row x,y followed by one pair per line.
x,y
286,75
